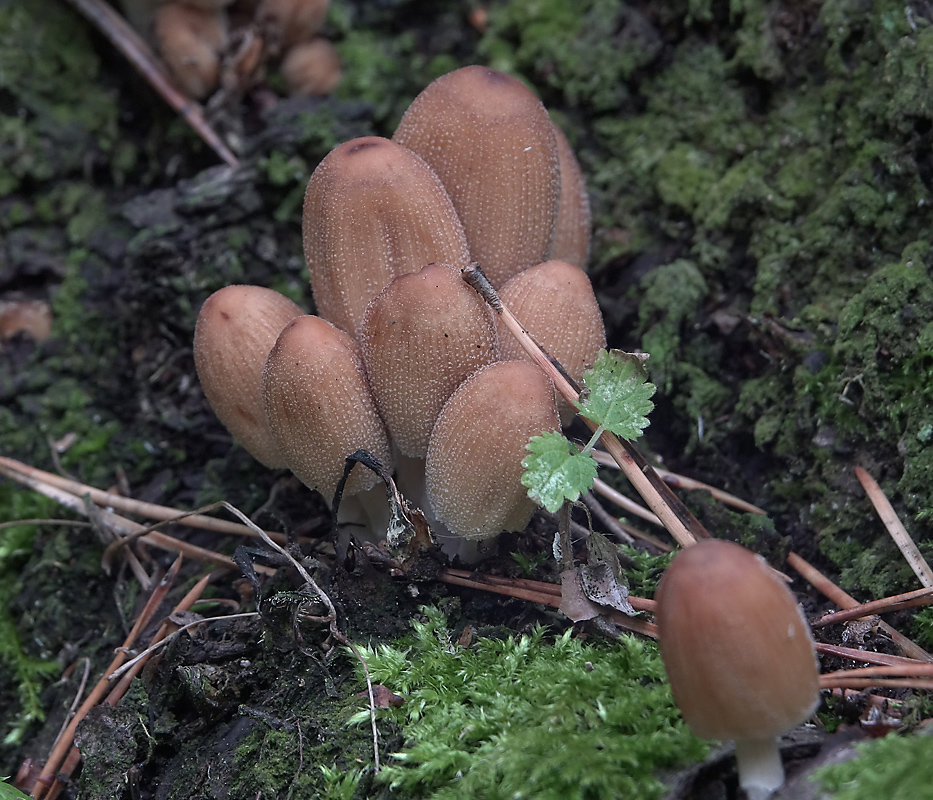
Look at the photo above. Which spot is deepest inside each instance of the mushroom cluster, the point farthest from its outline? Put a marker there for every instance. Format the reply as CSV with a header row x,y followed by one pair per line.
x,y
405,360
208,44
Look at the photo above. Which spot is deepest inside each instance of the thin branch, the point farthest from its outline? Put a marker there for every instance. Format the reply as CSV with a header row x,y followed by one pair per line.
x,y
895,528
865,656
140,55
118,524
920,597
65,742
691,484
544,593
824,585
128,505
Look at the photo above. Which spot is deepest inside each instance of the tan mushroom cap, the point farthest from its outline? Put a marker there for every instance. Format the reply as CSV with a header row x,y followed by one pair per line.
x,y
555,303
190,41
492,144
572,232
319,406
285,23
735,645
373,210
311,68
422,336
236,328
474,463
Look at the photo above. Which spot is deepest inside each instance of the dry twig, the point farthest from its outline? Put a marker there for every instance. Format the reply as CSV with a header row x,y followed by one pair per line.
x,y
140,55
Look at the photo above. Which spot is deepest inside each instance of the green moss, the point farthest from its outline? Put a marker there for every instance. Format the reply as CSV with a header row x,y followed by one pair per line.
x,y
27,674
64,116
897,767
529,717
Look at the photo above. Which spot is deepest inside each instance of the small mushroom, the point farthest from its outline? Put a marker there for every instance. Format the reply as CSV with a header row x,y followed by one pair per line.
x,y
572,231
474,462
738,654
191,41
320,408
236,328
422,336
311,68
492,144
373,210
555,303
285,23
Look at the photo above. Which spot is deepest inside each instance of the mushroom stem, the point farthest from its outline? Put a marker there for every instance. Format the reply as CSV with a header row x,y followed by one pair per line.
x,y
760,769
366,514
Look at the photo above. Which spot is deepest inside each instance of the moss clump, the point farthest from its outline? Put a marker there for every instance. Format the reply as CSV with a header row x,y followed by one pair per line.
x,y
64,120
529,716
896,767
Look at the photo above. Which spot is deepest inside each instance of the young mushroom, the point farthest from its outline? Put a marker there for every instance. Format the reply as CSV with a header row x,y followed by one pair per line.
x,y
191,40
320,408
492,144
421,337
738,654
373,210
236,328
555,303
474,462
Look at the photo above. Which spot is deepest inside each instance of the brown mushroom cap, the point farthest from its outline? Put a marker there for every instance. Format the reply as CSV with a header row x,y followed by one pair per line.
x,y
474,463
319,406
311,68
190,41
572,232
373,210
492,144
736,648
555,303
422,336
285,23
236,329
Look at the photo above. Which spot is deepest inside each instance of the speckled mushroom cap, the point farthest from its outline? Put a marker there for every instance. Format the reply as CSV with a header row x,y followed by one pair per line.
x,y
735,645
422,336
474,464
373,210
236,328
492,144
319,406
555,303
572,231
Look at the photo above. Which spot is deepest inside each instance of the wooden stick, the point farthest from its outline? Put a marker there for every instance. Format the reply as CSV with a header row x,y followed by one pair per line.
x,y
866,656
824,585
127,527
625,503
545,597
65,742
120,689
683,482
128,505
118,31
895,527
828,682
919,597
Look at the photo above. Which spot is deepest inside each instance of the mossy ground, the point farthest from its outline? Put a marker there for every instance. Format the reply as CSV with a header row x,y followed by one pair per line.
x,y
761,181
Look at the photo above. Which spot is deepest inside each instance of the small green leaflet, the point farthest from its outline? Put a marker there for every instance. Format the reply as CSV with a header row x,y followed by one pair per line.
x,y
556,471
618,395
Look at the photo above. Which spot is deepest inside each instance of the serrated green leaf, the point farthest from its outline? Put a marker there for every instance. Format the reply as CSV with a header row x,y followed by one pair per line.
x,y
618,394
555,471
